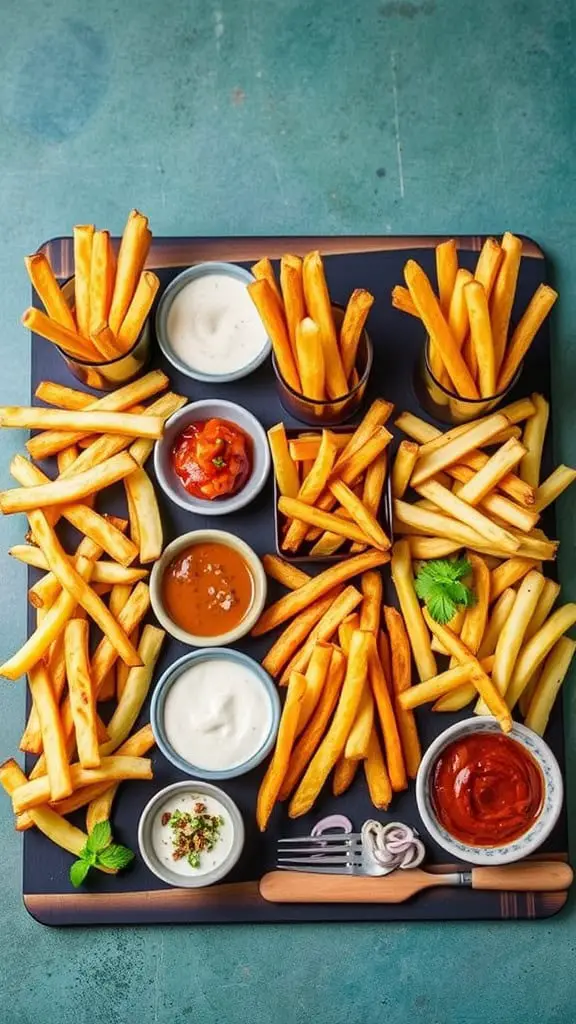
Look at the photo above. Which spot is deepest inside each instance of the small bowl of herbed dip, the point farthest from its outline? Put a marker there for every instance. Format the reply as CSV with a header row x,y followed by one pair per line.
x,y
207,325
215,713
191,834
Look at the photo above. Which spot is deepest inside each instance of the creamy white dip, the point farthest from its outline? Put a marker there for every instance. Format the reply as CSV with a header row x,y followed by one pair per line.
x,y
213,326
162,835
217,714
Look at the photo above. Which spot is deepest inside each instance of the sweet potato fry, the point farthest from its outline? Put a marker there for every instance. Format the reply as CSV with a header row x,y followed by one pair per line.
x,y
502,297
264,271
132,255
481,335
334,741
82,703
45,284
101,281
342,606
385,713
488,265
446,270
377,778
345,630
138,310
344,774
534,316
291,638
316,675
69,341
402,300
359,305
272,316
292,295
320,309
401,681
83,236
372,588
276,772
458,311
404,463
283,572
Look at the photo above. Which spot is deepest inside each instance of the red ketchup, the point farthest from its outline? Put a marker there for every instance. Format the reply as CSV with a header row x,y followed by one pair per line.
x,y
487,790
212,458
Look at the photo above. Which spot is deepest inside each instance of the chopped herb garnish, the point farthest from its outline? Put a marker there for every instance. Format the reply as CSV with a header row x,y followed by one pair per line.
x,y
219,462
193,833
439,584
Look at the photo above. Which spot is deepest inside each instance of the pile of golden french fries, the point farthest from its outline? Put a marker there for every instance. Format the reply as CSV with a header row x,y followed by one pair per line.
x,y
330,486
468,322
488,504
314,358
112,298
344,675
96,442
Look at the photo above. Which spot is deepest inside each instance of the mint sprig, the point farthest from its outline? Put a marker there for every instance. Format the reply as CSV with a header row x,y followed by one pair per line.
x,y
439,584
99,851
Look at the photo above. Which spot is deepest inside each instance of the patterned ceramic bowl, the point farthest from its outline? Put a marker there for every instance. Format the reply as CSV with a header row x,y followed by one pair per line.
x,y
519,848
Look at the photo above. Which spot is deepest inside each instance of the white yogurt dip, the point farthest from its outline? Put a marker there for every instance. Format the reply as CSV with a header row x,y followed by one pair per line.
x,y
217,714
213,326
162,835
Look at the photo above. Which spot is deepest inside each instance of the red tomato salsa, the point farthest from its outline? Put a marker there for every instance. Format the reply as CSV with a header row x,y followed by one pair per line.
x,y
212,458
487,790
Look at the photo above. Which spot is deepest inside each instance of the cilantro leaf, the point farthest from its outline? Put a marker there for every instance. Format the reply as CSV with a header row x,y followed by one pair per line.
x,y
115,856
439,585
78,872
100,837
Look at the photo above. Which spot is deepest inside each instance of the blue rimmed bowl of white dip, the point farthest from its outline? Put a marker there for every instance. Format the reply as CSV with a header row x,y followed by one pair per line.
x,y
215,714
207,325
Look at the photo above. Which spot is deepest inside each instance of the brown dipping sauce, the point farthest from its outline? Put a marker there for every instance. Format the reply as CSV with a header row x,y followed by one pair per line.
x,y
207,589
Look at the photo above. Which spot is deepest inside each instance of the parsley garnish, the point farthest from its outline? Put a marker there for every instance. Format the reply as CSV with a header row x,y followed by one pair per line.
x,y
439,585
99,851
219,462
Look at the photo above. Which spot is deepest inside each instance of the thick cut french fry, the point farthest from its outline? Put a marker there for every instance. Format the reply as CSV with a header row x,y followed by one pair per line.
x,y
291,638
316,675
509,573
371,608
316,727
67,492
309,514
423,548
488,265
451,504
503,292
165,407
55,620
143,506
402,300
512,636
401,680
537,649
481,335
285,468
377,416
358,741
82,703
36,792
446,271
458,311
69,341
45,284
334,741
455,624
101,280
403,579
379,675
553,674
103,339
83,237
499,614
404,463
310,358
359,305
441,338
414,519
534,316
480,484
135,691
104,572
439,686
449,451
417,429
100,803
481,680
345,630
364,519
132,255
138,310
292,295
377,778
342,606
264,271
344,774
303,449
61,396
312,488
53,742
320,309
553,486
130,616
276,772
533,441
80,423
283,572
272,316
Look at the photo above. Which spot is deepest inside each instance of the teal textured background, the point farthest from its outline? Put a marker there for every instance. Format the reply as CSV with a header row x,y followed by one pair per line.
x,y
225,117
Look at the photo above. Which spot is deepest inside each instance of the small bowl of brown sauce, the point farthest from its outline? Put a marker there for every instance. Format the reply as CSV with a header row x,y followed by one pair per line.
x,y
487,797
208,588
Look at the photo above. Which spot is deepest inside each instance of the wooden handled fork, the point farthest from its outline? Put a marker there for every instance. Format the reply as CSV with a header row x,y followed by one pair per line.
x,y
309,887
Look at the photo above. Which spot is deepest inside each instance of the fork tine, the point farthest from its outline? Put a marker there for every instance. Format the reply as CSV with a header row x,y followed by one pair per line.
x,y
317,871
316,851
342,860
335,838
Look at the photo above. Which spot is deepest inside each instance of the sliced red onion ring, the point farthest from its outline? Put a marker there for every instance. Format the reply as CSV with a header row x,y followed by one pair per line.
x,y
392,846
332,821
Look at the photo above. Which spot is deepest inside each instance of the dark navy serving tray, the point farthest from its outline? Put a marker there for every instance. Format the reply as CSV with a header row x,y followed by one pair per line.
x,y
136,896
